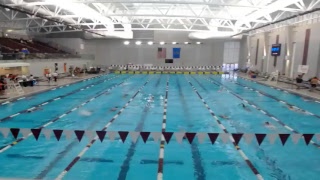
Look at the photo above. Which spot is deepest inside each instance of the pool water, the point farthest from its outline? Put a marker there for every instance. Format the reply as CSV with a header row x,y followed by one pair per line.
x,y
88,105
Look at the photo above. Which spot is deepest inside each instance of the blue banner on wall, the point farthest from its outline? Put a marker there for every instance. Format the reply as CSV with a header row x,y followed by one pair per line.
x,y
176,53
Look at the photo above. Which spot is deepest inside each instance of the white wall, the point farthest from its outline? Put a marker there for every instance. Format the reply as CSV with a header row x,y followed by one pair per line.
x,y
109,52
113,51
288,36
37,66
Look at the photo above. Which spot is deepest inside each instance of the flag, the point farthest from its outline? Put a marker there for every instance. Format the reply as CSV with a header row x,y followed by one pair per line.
x,y
176,53
162,53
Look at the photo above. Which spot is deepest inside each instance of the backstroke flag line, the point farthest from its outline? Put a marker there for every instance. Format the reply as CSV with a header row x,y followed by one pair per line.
x,y
162,53
176,53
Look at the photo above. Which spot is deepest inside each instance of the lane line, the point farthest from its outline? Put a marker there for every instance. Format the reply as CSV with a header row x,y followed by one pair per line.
x,y
46,90
77,158
5,148
237,147
258,108
199,170
125,166
281,89
277,99
49,101
162,142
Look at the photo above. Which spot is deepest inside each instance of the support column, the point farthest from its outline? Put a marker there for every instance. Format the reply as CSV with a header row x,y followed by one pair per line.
x,y
266,53
289,51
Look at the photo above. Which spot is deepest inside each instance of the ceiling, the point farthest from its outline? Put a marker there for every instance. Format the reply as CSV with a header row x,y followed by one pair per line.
x,y
120,17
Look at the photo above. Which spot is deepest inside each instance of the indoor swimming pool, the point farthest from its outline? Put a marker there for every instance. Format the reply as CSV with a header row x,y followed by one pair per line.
x,y
154,103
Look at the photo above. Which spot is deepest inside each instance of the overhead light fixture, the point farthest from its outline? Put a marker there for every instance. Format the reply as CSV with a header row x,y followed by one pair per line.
x,y
162,43
9,30
7,9
186,42
198,42
150,42
126,43
174,42
6,35
138,42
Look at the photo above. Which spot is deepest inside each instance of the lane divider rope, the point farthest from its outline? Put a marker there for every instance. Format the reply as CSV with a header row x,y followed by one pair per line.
x,y
272,97
249,163
77,158
280,89
5,148
51,100
162,142
20,98
259,109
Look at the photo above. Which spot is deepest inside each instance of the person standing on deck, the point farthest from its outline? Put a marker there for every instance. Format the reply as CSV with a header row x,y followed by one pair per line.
x,y
55,76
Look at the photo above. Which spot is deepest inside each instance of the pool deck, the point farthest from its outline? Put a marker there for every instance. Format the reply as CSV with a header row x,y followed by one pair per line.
x,y
284,86
44,86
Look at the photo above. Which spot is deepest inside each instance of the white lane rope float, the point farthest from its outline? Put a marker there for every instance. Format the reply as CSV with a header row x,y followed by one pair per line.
x,y
263,112
162,142
5,148
77,158
48,101
248,162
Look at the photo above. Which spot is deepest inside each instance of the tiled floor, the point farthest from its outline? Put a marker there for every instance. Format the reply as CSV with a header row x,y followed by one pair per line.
x,y
286,86
45,85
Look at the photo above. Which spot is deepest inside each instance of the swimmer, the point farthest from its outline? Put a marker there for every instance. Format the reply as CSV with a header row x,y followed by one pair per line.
x,y
125,95
245,107
224,117
269,125
114,108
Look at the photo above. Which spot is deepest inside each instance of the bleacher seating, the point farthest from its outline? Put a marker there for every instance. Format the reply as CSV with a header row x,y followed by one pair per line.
x,y
9,45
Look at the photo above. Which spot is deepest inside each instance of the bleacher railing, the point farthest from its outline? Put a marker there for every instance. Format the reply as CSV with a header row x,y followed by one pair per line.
x,y
21,56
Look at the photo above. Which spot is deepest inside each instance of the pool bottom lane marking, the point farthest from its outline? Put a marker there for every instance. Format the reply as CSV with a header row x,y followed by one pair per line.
x,y
162,142
124,169
76,159
199,170
260,110
6,147
249,163
48,101
63,153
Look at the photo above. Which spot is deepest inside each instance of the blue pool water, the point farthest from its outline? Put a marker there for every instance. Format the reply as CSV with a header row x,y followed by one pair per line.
x,y
186,112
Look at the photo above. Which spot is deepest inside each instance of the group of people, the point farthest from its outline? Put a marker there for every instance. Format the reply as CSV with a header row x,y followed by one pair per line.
x,y
54,75
313,82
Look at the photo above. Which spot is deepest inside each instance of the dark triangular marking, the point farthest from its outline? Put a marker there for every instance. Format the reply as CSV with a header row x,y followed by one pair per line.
x,y
145,136
57,133
101,134
213,137
79,134
123,135
15,132
260,138
190,137
36,133
284,138
307,138
167,136
237,137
